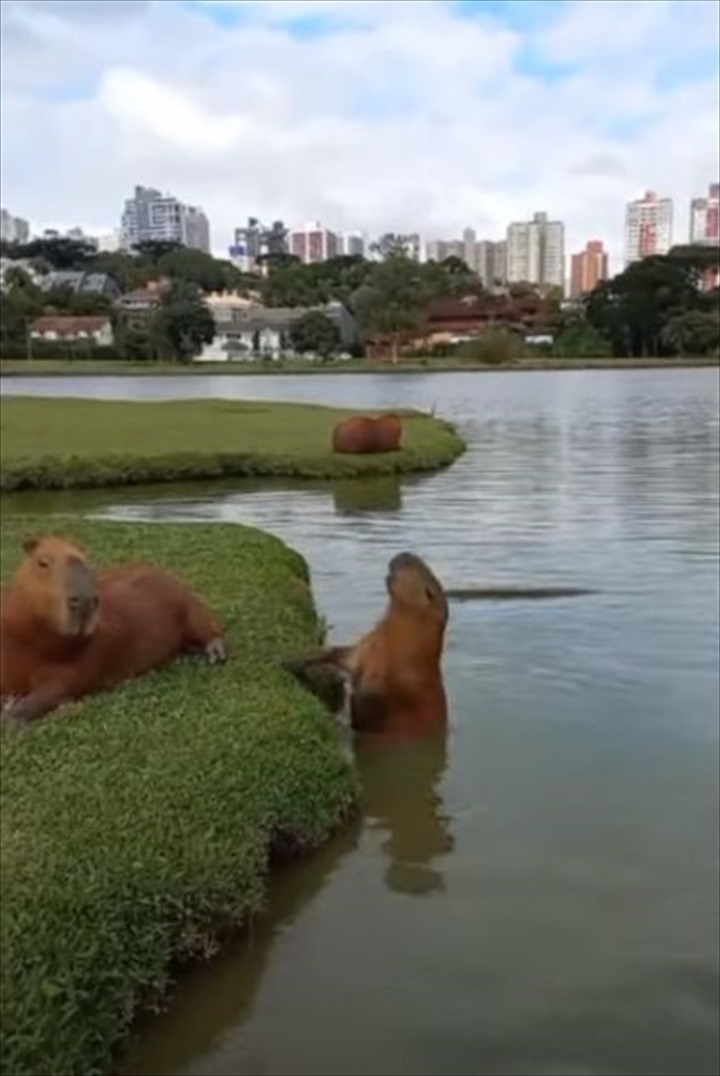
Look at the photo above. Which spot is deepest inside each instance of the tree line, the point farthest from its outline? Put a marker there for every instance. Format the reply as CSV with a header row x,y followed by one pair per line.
x,y
654,307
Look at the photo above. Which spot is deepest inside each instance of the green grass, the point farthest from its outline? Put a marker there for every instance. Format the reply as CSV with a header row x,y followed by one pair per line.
x,y
66,368
138,825
59,443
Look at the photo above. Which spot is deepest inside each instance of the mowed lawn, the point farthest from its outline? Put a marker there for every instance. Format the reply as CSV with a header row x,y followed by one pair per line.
x,y
50,443
138,824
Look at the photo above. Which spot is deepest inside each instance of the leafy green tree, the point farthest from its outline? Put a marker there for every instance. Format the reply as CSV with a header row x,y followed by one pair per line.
x,y
292,285
196,267
390,245
20,303
694,332
60,253
393,300
455,267
129,271
632,309
152,250
581,341
315,332
183,323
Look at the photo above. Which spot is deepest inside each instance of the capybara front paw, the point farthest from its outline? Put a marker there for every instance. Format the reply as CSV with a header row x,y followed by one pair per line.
x,y
216,651
12,714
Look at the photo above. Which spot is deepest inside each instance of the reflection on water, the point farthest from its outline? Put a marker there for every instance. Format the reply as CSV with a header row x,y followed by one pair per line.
x,y
350,496
402,816
540,894
402,803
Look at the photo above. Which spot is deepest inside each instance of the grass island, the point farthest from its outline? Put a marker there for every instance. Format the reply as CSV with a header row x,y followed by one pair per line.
x,y
139,825
58,443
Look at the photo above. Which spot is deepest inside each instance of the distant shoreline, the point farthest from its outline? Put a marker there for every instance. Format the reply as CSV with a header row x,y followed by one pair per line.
x,y
10,368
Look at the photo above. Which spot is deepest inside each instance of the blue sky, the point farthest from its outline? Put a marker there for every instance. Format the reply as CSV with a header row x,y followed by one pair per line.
x,y
420,114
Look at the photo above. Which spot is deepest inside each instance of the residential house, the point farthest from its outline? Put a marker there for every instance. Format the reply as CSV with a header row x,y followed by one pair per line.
x,y
81,283
450,321
93,330
246,331
135,307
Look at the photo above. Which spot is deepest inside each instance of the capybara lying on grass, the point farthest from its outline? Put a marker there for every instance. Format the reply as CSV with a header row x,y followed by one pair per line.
x,y
67,630
364,433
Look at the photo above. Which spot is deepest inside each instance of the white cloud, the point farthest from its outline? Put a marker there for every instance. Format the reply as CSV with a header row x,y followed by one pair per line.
x,y
406,117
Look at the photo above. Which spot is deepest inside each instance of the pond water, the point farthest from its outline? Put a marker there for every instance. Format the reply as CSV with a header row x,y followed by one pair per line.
x,y
536,892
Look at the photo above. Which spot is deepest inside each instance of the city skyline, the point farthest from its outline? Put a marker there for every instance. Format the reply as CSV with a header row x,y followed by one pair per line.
x,y
533,250
350,113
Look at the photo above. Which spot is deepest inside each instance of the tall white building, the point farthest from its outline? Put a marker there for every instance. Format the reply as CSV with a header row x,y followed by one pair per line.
x,y
536,252
470,249
491,262
648,227
150,215
353,244
705,217
13,229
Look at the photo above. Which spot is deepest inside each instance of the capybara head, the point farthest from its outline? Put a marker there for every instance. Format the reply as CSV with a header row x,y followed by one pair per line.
x,y
60,585
414,587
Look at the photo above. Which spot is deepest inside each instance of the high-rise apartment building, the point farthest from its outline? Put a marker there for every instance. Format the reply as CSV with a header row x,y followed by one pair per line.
x,y
491,262
588,268
150,215
536,252
648,227
353,244
255,241
313,243
498,263
470,249
437,250
705,217
13,229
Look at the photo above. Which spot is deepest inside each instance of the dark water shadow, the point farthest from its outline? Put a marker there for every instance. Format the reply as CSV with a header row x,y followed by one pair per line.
x,y
402,805
350,496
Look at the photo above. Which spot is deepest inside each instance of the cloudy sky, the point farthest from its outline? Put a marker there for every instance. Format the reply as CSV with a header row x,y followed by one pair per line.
x,y
425,115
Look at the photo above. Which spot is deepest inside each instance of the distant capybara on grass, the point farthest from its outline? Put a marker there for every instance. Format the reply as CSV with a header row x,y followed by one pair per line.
x,y
395,669
67,630
365,433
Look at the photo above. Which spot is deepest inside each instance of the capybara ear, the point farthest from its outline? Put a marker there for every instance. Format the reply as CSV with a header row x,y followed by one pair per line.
x,y
30,543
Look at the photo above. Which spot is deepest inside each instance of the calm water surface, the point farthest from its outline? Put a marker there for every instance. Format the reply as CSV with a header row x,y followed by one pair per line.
x,y
537,892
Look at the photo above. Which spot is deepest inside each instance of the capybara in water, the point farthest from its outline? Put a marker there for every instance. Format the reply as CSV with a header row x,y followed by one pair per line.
x,y
365,433
67,630
395,670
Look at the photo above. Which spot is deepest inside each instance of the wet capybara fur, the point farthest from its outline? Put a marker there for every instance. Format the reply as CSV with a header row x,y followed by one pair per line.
x,y
67,630
365,433
395,670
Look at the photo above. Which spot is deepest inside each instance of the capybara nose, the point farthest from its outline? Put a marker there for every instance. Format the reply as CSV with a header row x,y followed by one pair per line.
x,y
82,606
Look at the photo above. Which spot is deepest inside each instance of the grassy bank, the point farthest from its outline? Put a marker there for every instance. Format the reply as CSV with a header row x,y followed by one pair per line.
x,y
59,443
65,368
139,824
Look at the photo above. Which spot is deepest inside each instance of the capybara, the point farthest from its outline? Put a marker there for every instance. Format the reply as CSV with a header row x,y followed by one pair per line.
x,y
365,433
67,630
395,670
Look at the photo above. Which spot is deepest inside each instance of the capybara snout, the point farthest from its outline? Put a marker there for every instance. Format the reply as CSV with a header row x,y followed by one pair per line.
x,y
82,598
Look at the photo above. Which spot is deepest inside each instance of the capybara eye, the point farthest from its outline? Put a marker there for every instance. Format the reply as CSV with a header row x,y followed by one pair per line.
x,y
43,563
429,594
